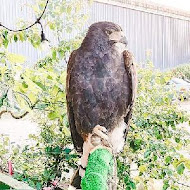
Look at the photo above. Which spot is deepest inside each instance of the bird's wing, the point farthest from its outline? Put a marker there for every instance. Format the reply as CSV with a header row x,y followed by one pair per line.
x,y
132,75
77,139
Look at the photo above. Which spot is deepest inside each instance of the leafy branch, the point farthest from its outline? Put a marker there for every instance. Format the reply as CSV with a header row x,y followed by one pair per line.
x,y
28,27
20,116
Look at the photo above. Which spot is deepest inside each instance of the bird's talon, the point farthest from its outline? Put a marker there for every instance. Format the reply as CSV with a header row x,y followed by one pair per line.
x,y
104,130
100,131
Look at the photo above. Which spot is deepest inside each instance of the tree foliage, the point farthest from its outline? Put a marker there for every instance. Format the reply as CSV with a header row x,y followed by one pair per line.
x,y
156,137
40,91
182,71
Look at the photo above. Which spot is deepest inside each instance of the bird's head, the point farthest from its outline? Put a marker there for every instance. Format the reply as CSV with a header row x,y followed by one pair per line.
x,y
102,33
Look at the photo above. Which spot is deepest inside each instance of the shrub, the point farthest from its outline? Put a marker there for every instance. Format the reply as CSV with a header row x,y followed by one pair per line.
x,y
155,137
152,150
182,71
40,91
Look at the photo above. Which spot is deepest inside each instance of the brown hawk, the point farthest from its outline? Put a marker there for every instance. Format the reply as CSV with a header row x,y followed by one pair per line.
x,y
101,86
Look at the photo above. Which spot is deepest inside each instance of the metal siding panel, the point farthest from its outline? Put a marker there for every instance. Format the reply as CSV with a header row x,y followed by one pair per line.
x,y
10,13
167,38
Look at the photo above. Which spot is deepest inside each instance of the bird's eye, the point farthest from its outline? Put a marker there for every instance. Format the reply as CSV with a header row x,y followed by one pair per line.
x,y
108,32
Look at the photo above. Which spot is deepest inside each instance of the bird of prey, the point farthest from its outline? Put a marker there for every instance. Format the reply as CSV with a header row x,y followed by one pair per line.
x,y
101,86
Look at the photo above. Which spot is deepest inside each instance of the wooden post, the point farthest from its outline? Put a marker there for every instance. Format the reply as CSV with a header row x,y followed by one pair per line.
x,y
8,180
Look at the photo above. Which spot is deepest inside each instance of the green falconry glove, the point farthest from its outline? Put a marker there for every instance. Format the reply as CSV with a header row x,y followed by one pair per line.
x,y
99,167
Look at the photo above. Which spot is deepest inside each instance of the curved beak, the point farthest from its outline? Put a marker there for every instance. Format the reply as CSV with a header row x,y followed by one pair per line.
x,y
123,40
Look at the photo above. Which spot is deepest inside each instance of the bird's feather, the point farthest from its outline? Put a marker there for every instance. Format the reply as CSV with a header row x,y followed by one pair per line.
x,y
77,139
100,85
132,75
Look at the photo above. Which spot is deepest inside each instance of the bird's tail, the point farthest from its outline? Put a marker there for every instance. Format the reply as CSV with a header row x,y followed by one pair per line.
x,y
76,180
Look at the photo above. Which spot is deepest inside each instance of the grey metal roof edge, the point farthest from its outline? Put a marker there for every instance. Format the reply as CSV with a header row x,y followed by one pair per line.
x,y
149,7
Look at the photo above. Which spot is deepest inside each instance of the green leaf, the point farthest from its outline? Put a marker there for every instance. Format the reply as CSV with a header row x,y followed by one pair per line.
x,y
5,39
38,186
55,90
1,102
147,154
21,36
142,168
40,85
168,159
52,26
136,144
57,150
15,38
166,185
42,106
4,186
54,55
61,54
5,34
24,84
5,43
49,77
155,157
67,150
180,169
177,140
187,164
53,115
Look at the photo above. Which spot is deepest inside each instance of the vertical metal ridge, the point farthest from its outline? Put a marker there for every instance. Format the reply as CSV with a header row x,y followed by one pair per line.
x,y
166,37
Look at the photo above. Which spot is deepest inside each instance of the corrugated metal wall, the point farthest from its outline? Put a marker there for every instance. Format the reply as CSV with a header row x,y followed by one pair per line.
x,y
166,39
10,13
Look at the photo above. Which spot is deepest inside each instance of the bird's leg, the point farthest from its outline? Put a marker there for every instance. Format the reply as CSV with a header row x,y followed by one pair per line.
x,y
95,139
100,138
100,131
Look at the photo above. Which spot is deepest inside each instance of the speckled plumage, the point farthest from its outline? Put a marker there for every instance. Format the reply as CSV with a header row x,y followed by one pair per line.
x,y
101,83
